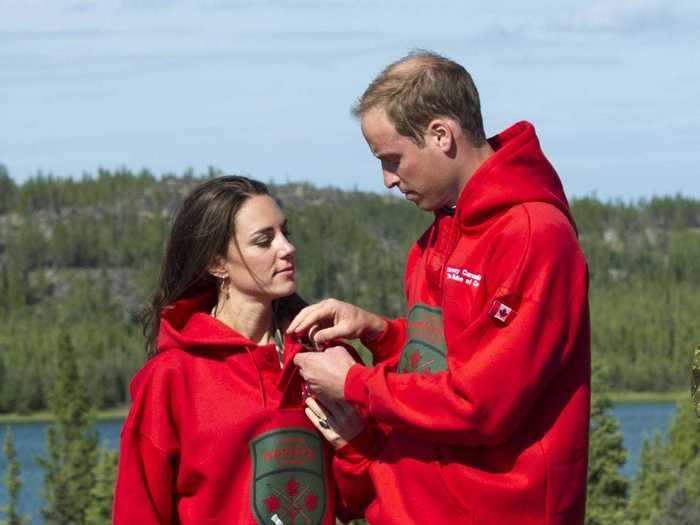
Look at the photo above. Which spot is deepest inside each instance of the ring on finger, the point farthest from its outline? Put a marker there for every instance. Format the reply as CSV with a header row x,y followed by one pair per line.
x,y
323,423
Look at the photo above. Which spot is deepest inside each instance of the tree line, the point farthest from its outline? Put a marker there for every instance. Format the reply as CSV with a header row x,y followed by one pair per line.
x,y
82,255
79,257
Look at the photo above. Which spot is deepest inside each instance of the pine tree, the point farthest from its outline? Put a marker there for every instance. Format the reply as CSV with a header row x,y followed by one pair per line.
x,y
607,488
100,510
677,509
13,483
71,444
654,480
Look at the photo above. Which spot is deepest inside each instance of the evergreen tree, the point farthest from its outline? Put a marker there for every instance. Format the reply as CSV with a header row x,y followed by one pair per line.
x,y
607,488
99,512
13,483
677,509
7,190
71,443
654,479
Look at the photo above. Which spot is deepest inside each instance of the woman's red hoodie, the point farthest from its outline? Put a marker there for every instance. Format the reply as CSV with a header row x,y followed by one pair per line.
x,y
216,433
485,391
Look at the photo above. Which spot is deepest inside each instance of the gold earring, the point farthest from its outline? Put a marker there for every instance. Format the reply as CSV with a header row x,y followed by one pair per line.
x,y
224,286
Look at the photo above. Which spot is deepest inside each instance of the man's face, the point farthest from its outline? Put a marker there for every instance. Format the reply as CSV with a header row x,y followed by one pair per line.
x,y
420,172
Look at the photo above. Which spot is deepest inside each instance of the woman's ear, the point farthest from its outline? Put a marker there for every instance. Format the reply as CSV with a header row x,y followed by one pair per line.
x,y
216,268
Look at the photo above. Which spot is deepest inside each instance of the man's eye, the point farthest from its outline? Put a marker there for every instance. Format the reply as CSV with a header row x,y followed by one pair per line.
x,y
390,163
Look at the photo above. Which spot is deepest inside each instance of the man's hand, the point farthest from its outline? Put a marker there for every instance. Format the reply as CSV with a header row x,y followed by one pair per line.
x,y
325,372
336,320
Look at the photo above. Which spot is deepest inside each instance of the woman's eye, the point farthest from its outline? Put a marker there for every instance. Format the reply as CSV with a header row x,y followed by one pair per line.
x,y
264,242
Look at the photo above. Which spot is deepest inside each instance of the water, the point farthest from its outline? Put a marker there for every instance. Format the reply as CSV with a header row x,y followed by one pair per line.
x,y
30,443
637,421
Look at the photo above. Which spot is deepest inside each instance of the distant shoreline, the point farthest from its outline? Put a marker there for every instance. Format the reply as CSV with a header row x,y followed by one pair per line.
x,y
648,397
120,412
45,417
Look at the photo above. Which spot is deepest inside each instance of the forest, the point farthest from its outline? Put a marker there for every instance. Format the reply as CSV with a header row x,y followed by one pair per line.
x,y
79,259
83,255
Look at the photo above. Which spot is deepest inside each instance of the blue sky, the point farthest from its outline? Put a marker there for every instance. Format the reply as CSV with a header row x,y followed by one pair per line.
x,y
264,87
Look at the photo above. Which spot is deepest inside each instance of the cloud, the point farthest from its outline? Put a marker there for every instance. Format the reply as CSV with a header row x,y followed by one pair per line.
x,y
625,17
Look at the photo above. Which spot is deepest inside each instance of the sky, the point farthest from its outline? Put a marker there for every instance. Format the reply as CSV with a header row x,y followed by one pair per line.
x,y
264,87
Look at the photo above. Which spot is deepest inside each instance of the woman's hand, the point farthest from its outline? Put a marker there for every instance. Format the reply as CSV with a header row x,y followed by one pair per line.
x,y
337,421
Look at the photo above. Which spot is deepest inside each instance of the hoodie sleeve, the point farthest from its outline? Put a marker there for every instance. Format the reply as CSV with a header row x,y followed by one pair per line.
x,y
145,487
386,348
496,370
351,472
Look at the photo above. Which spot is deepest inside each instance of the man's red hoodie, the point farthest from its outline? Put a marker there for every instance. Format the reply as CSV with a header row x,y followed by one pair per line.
x,y
484,389
216,433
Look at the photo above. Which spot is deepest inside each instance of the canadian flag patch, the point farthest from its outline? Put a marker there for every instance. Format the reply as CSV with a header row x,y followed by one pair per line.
x,y
501,311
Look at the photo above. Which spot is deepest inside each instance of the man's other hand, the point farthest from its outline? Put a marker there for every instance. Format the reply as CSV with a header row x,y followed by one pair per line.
x,y
325,372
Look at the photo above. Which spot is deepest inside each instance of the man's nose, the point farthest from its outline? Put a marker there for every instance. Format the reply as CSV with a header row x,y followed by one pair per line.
x,y
390,179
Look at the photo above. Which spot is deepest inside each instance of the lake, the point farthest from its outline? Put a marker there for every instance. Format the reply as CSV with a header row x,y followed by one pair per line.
x,y
637,421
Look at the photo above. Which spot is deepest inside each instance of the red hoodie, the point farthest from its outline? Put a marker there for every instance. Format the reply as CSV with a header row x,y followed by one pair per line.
x,y
217,434
484,389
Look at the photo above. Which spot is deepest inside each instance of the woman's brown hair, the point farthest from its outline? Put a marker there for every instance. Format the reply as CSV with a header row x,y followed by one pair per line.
x,y
201,230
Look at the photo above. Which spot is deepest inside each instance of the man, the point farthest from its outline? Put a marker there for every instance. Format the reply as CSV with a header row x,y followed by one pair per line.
x,y
482,393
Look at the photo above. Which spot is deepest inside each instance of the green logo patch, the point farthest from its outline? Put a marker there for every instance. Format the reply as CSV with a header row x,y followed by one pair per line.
x,y
288,482
425,349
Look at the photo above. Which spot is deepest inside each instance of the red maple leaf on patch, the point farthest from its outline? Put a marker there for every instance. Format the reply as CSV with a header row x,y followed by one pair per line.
x,y
415,359
292,487
311,502
272,503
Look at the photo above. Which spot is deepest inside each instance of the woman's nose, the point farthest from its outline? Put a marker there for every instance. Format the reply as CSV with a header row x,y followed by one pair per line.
x,y
288,248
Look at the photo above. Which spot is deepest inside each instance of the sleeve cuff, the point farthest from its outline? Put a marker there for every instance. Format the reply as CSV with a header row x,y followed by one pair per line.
x,y
389,342
355,391
359,448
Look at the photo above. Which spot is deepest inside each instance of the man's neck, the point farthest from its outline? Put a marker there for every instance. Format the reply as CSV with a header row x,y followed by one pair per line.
x,y
473,158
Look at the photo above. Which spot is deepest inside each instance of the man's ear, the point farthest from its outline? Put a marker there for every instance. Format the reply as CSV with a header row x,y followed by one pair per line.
x,y
441,134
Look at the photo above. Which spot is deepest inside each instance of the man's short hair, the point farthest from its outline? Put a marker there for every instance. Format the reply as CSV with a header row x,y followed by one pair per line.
x,y
420,87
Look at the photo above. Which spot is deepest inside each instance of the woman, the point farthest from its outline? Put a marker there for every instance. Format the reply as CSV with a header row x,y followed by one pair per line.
x,y
217,432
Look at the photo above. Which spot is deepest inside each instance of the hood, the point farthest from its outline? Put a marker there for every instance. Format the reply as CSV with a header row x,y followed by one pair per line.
x,y
518,172
186,324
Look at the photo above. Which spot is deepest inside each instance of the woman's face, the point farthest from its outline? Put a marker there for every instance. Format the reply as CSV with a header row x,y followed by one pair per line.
x,y
261,266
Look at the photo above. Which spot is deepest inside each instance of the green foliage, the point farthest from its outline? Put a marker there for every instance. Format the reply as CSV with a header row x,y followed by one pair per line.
x,y
607,488
667,487
13,483
71,443
99,512
7,190
655,478
677,509
86,252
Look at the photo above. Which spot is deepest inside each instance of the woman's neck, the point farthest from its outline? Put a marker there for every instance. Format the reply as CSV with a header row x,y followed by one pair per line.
x,y
250,318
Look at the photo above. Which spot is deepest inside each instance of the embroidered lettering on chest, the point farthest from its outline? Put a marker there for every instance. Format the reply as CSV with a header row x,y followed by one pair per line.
x,y
464,276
